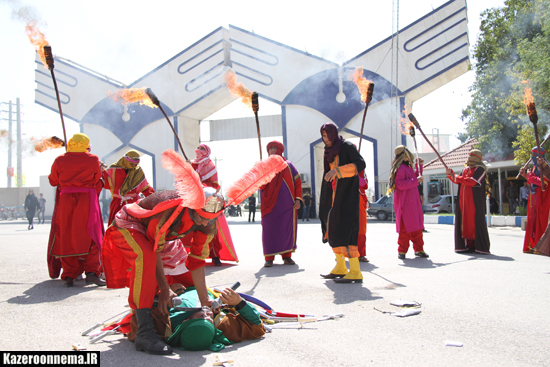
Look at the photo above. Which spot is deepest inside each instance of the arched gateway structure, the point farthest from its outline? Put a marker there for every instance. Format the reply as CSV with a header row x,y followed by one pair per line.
x,y
191,86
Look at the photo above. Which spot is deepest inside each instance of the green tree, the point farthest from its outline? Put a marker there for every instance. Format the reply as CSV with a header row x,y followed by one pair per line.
x,y
504,56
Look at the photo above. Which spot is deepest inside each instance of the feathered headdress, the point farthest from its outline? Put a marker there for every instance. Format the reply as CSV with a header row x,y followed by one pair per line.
x,y
261,174
188,182
190,189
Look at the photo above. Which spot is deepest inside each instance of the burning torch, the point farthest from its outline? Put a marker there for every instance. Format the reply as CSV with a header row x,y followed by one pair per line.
x,y
532,112
256,108
156,102
370,90
49,61
417,125
366,88
412,133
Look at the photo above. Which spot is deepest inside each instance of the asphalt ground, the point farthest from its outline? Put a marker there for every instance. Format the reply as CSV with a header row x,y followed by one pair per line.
x,y
494,304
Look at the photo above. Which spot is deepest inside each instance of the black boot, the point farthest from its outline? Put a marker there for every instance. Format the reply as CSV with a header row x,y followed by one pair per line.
x,y
146,336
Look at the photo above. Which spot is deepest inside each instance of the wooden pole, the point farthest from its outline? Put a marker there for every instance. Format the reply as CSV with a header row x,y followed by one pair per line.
x,y
370,90
256,108
417,125
156,102
49,60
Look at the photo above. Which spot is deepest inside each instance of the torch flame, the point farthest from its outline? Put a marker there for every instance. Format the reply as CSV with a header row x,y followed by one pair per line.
x,y
405,125
132,95
362,83
528,96
46,144
238,89
38,40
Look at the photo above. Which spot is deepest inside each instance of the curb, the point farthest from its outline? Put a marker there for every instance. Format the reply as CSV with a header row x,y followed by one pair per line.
x,y
498,221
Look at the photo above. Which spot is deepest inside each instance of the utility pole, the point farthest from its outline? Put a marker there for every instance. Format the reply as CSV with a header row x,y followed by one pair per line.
x,y
395,109
19,153
10,134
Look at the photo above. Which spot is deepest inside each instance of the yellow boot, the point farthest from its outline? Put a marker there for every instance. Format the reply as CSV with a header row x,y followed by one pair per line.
x,y
339,270
354,275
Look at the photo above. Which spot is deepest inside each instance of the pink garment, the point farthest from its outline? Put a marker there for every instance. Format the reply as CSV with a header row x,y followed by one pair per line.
x,y
406,200
205,167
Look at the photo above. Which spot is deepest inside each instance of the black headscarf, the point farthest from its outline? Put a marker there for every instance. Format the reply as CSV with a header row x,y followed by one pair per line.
x,y
336,140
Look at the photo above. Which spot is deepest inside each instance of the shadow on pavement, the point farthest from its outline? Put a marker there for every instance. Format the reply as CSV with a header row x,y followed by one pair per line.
x,y
52,290
277,270
348,293
123,347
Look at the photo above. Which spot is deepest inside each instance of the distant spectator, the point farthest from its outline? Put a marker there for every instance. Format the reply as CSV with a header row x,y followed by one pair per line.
x,y
512,196
307,206
252,208
41,208
31,204
524,195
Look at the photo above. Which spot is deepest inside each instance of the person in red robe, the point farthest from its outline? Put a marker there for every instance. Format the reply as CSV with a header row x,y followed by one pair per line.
x,y
471,233
280,201
538,204
126,180
77,229
362,236
221,246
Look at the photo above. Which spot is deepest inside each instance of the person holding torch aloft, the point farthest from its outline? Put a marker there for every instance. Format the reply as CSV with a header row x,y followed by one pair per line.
x,y
409,219
339,204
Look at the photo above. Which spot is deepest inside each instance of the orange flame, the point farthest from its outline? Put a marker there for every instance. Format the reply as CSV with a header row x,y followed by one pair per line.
x,y
528,96
405,125
132,95
46,144
238,89
361,82
38,40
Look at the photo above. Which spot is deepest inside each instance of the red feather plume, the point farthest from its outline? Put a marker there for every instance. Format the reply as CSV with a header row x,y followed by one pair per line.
x,y
188,182
261,174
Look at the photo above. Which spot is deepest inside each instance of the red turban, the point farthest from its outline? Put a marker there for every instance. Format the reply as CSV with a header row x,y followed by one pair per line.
x,y
276,144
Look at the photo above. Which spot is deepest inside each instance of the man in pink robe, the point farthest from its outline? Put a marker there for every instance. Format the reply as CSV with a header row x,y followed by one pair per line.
x,y
409,218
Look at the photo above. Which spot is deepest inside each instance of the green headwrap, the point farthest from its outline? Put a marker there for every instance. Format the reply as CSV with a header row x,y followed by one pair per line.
x,y
198,334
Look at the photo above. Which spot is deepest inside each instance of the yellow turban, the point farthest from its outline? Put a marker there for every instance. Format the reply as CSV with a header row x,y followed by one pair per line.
x,y
78,143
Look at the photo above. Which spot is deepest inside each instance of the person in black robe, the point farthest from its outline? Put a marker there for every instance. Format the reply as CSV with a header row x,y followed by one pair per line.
x,y
340,217
471,233
31,204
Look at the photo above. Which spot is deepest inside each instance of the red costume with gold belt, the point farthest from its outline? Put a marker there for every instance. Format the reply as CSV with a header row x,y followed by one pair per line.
x,y
77,228
131,245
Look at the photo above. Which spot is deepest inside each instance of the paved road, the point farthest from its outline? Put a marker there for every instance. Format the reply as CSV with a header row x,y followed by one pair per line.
x,y
496,305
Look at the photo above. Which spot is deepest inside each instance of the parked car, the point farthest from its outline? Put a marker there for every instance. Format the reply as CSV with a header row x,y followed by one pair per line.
x,y
440,204
382,208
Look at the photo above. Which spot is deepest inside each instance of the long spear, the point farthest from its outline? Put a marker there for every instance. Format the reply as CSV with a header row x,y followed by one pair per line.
x,y
417,125
256,108
530,159
49,61
370,90
156,102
